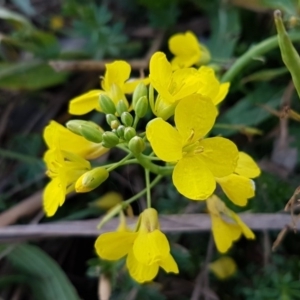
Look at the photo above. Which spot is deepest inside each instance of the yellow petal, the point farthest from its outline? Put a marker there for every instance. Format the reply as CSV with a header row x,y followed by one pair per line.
x,y
223,91
246,166
220,155
186,49
193,179
247,232
224,233
114,245
116,73
194,117
237,188
151,247
130,85
164,139
140,272
108,200
209,83
223,267
71,142
160,74
54,196
185,82
169,265
84,103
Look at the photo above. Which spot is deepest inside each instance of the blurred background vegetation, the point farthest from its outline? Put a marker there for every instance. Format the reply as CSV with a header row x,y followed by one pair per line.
x,y
36,35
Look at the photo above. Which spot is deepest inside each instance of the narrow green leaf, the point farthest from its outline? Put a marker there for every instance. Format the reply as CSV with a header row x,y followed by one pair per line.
x,y
47,280
30,75
289,54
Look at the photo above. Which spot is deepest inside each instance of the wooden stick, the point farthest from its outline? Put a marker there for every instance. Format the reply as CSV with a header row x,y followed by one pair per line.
x,y
26,207
169,224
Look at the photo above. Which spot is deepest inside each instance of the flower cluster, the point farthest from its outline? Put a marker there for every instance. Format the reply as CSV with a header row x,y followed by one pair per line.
x,y
183,99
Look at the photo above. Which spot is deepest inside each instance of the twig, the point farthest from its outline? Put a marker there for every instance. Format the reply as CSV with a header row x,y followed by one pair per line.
x,y
25,208
96,65
92,65
201,281
169,224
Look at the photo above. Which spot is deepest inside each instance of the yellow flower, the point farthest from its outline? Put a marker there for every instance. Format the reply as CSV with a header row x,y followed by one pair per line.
x,y
239,187
223,267
171,86
114,84
68,141
228,229
64,168
187,50
146,250
198,160
210,85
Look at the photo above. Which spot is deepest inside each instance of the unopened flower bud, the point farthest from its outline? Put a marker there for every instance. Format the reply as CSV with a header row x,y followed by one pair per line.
x,y
140,91
121,131
91,179
129,133
136,145
74,126
126,118
92,132
114,124
121,107
141,107
109,139
110,118
106,104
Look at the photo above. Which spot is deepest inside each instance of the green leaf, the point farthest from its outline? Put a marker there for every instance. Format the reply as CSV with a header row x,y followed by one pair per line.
x,y
15,18
248,110
265,75
31,75
47,280
25,6
225,28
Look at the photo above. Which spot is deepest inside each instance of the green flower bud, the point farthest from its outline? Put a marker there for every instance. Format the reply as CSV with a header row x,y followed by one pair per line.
x,y
121,107
121,131
74,126
136,145
126,118
114,124
109,139
106,104
92,132
110,118
140,91
141,107
129,133
91,179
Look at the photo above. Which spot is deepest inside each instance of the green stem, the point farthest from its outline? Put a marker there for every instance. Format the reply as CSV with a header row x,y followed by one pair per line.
x,y
20,157
120,146
144,191
119,163
258,50
147,176
147,164
135,122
